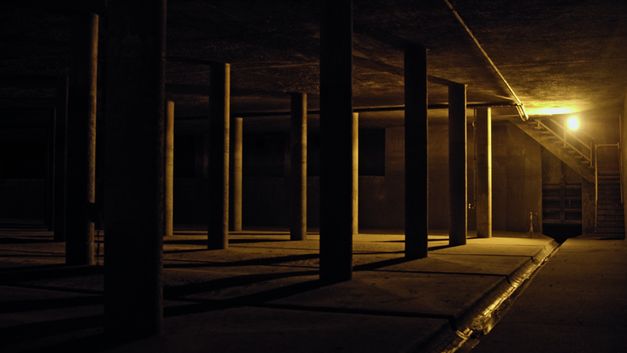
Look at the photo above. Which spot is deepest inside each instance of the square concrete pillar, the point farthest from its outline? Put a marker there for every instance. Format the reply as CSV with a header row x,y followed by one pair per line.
x,y
483,143
49,172
134,168
458,182
169,170
219,135
81,141
623,156
60,158
238,158
416,156
355,172
336,136
298,167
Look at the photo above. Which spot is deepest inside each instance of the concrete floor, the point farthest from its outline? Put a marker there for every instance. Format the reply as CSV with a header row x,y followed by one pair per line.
x,y
263,294
576,303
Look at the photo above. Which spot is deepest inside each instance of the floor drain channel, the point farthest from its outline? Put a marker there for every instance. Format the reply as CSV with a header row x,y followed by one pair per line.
x,y
468,337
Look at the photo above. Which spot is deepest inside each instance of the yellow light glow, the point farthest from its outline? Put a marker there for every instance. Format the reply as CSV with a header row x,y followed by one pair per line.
x,y
550,110
573,123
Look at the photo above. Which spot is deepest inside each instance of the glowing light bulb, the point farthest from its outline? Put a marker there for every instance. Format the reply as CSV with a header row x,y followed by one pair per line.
x,y
573,123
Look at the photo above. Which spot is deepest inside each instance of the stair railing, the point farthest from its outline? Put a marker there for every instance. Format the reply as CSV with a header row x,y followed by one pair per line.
x,y
596,177
587,152
620,156
596,188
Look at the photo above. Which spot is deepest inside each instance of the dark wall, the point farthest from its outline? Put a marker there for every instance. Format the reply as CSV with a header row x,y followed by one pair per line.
x,y
265,183
23,171
623,155
556,173
517,180
439,176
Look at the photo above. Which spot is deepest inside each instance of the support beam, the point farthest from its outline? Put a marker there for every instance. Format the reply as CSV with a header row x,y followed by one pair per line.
x,y
60,157
336,129
81,148
298,167
49,174
458,183
134,168
169,170
238,159
483,142
355,173
219,120
416,156
622,123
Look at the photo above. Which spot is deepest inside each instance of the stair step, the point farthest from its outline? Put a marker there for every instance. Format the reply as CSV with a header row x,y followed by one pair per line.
x,y
619,228
610,216
611,231
609,211
618,221
611,225
555,145
610,220
616,228
606,178
610,206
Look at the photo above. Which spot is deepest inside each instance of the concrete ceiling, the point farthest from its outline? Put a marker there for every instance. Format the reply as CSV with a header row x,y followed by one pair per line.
x,y
561,54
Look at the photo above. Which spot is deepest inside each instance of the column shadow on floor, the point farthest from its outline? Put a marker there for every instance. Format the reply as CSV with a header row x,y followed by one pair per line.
x,y
249,262
40,272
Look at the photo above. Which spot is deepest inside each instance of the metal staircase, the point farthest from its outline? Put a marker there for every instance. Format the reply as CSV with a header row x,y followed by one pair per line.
x,y
609,216
575,152
595,163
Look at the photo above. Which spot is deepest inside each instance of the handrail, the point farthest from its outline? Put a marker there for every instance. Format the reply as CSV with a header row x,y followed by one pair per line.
x,y
596,188
620,155
586,144
540,123
596,178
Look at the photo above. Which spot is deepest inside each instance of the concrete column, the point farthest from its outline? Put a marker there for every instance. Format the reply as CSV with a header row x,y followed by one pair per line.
x,y
416,156
219,120
623,155
483,142
458,183
336,130
81,148
169,170
49,174
587,208
60,157
355,172
238,159
134,168
298,167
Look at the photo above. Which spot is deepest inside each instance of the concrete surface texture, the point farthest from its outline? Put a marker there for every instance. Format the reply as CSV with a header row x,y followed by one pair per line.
x,y
276,48
263,294
576,303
